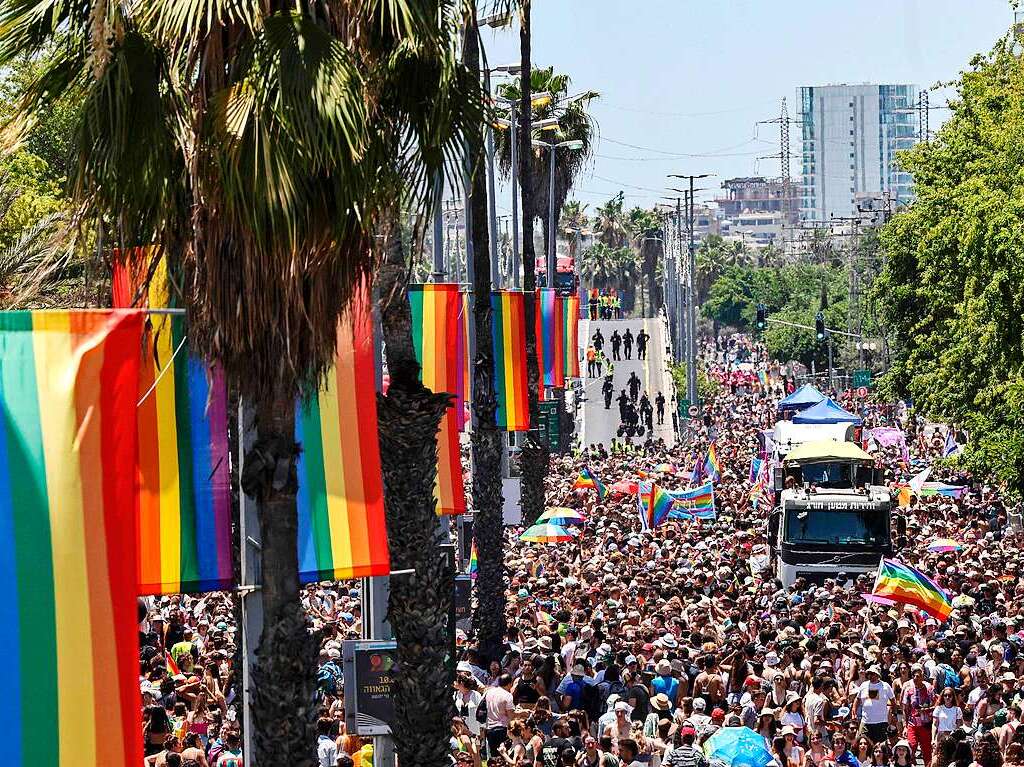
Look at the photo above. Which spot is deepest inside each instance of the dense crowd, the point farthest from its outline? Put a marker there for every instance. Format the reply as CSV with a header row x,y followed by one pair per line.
x,y
630,646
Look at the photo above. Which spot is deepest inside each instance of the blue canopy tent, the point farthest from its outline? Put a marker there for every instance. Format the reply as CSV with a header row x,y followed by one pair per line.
x,y
801,399
826,411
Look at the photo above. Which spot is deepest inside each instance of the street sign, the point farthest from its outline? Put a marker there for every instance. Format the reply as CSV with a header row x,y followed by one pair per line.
x,y
369,669
862,392
693,411
862,378
550,424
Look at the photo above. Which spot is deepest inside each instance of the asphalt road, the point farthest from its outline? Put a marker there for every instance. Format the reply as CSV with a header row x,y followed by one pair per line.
x,y
600,425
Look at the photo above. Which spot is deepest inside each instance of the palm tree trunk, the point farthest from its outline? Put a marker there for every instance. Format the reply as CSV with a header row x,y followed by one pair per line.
x,y
284,675
534,455
419,603
487,440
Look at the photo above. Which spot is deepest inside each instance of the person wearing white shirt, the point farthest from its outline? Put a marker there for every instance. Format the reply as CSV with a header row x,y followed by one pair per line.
x,y
872,705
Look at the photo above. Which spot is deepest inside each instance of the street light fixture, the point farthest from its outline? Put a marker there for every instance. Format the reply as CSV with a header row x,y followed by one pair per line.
x,y
495,20
552,223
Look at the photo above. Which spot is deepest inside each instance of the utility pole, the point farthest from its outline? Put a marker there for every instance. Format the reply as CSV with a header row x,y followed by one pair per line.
x,y
492,228
691,308
438,271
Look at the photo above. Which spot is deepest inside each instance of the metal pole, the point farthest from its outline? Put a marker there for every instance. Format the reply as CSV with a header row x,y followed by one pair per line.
x,y
515,201
492,230
439,272
691,348
252,601
552,223
831,372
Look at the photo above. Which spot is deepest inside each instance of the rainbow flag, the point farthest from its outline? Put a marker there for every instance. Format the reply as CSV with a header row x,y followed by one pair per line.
x,y
698,503
508,326
550,338
341,495
643,497
907,585
658,507
571,329
184,500
587,479
435,331
464,360
712,466
474,564
68,440
545,617
755,470
170,665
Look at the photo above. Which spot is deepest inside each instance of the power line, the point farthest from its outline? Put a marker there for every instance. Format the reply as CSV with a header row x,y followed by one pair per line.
x,y
734,110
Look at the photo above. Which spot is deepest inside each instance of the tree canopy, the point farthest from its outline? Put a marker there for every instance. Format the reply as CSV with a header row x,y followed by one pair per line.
x,y
952,290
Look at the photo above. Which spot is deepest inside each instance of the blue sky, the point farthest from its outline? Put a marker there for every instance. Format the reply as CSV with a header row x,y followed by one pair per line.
x,y
692,78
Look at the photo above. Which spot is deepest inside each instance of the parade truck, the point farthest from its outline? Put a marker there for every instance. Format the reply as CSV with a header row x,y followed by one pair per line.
x,y
834,514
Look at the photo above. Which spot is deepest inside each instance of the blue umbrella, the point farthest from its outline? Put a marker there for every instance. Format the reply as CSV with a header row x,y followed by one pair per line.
x,y
738,747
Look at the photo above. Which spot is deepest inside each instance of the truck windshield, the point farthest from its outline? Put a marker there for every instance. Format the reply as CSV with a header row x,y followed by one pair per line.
x,y
867,528
827,474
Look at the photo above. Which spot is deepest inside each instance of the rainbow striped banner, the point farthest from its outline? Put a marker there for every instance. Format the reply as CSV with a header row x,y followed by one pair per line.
x,y
658,507
908,585
68,393
435,331
550,338
508,326
698,503
341,496
571,330
464,360
183,469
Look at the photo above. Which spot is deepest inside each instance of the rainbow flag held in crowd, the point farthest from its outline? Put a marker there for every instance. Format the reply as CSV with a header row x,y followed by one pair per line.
x,y
712,466
908,585
183,468
170,665
587,479
68,547
658,507
474,563
571,328
508,327
435,331
341,495
763,490
550,338
698,503
643,496
755,469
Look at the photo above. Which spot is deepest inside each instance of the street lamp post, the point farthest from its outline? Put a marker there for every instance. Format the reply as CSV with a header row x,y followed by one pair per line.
x,y
552,222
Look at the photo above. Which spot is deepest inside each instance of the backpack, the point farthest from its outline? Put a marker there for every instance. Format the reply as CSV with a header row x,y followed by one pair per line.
x,y
946,677
327,678
608,689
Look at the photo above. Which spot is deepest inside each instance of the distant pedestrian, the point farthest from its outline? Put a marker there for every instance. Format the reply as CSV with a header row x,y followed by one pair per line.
x,y
659,404
616,340
641,344
634,386
591,362
627,343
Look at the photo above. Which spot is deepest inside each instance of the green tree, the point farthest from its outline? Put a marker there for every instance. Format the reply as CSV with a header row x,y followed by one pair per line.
x,y
646,230
574,124
951,293
268,148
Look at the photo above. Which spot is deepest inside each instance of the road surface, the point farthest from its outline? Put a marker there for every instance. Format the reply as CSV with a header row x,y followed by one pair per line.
x,y
600,425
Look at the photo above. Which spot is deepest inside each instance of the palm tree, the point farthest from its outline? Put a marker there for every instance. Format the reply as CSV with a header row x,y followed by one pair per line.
x,y
597,266
572,223
645,226
574,124
487,440
711,259
534,455
611,223
627,275
265,147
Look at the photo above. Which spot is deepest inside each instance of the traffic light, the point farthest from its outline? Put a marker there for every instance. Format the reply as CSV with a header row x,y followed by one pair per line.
x,y
762,317
819,326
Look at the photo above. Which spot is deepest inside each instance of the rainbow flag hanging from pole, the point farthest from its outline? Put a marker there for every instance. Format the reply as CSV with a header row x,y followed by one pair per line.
x,y
570,328
464,360
341,494
550,338
474,561
712,466
184,500
68,439
435,330
508,327
907,585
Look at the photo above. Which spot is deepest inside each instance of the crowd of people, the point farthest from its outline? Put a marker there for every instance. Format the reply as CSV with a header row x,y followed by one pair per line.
x,y
630,646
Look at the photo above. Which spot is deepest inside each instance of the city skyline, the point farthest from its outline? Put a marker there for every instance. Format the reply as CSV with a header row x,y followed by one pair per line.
x,y
692,118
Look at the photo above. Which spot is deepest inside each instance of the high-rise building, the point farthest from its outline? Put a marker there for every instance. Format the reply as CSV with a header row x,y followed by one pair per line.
x,y
851,134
